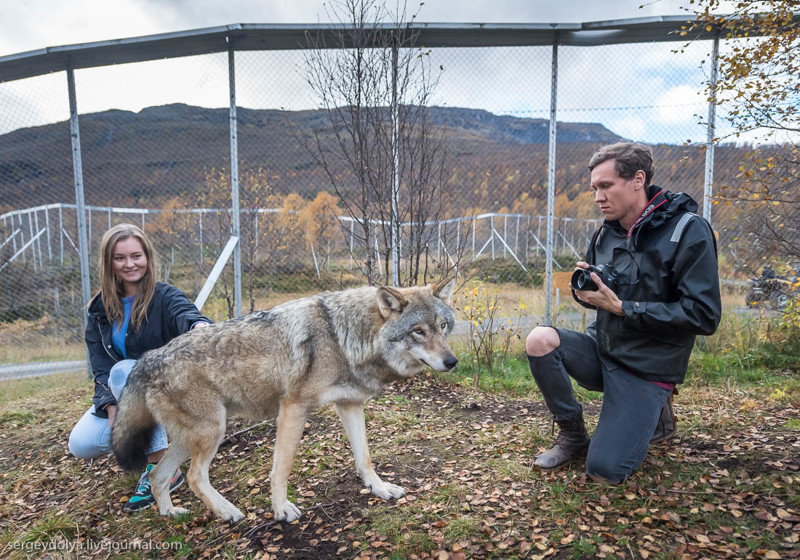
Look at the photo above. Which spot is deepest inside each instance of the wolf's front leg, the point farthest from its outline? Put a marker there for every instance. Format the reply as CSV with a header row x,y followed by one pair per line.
x,y
290,422
352,417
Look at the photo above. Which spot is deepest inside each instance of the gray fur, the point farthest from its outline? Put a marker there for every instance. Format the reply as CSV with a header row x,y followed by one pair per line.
x,y
339,348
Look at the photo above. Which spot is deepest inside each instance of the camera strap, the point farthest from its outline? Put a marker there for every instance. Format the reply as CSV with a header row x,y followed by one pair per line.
x,y
647,211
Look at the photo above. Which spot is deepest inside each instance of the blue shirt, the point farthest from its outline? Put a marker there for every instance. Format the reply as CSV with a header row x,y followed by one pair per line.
x,y
121,330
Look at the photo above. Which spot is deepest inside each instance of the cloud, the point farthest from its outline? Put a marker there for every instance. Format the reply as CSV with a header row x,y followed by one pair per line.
x,y
608,84
679,105
203,13
32,102
632,127
35,24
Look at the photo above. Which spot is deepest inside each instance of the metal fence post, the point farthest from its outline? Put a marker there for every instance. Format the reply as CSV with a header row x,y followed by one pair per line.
x,y
711,125
395,225
47,225
237,253
551,185
61,233
77,170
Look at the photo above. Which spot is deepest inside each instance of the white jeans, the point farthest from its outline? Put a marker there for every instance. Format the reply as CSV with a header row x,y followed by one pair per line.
x,y
91,436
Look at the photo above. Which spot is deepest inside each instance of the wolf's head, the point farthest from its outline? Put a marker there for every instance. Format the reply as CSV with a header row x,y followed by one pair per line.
x,y
416,324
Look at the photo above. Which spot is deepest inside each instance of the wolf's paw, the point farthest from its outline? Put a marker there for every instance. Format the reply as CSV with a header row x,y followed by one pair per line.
x,y
176,511
286,512
231,514
387,491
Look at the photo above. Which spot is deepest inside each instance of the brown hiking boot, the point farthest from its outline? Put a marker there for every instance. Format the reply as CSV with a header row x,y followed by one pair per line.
x,y
667,425
572,440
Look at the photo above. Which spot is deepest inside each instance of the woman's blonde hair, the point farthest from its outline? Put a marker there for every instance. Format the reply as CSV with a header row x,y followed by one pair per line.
x,y
111,288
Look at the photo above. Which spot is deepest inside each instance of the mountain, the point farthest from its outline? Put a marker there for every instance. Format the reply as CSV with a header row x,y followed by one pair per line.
x,y
146,158
506,129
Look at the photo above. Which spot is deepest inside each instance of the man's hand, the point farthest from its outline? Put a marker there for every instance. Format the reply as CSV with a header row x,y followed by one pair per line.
x,y
603,298
112,414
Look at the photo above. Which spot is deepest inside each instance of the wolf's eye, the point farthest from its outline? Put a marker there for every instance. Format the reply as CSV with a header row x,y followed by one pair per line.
x,y
419,331
443,326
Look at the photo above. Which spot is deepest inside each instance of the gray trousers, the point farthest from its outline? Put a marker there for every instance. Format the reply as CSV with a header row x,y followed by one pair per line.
x,y
631,406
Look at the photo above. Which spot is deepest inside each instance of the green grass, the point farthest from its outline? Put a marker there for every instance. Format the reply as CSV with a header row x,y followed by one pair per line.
x,y
53,526
16,418
732,355
584,548
462,527
510,470
17,389
470,481
511,376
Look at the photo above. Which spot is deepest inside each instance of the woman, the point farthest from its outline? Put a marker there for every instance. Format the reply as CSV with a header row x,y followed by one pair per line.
x,y
130,315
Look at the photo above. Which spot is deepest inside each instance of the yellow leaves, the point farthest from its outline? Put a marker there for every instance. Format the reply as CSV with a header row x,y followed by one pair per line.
x,y
777,395
490,334
748,405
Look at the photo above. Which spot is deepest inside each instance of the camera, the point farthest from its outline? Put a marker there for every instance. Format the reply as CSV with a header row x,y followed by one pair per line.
x,y
582,280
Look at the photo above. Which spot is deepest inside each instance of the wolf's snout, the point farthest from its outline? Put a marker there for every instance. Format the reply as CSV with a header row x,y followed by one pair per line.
x,y
450,362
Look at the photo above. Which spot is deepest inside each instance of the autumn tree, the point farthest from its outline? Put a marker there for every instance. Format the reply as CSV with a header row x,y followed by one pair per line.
x,y
268,241
319,220
382,155
759,87
287,233
171,230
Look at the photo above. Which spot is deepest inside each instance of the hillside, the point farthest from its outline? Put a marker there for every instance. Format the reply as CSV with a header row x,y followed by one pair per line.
x,y
146,158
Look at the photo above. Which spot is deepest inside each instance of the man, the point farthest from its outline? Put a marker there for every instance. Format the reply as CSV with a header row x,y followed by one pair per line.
x,y
664,291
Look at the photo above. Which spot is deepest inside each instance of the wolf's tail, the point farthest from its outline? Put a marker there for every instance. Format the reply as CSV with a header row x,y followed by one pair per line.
x,y
133,426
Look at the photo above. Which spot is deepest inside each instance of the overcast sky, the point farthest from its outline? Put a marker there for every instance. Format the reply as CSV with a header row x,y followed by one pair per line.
x,y
32,24
638,91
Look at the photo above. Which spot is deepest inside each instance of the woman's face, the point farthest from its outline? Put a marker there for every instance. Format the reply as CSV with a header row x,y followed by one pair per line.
x,y
130,264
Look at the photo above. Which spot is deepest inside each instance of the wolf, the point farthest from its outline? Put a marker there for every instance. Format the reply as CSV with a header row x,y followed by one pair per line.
x,y
341,348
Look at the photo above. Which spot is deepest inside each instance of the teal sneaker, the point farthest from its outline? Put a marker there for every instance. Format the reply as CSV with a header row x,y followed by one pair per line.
x,y
143,497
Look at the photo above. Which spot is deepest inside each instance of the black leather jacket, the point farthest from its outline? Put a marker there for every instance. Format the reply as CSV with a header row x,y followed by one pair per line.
x,y
169,315
668,283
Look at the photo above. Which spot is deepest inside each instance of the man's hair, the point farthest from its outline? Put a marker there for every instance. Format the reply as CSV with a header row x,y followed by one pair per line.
x,y
629,157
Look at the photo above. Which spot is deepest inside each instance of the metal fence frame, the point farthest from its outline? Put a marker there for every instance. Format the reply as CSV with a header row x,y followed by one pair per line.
x,y
255,37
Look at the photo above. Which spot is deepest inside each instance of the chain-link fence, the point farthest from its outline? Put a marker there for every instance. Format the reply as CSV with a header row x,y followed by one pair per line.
x,y
154,142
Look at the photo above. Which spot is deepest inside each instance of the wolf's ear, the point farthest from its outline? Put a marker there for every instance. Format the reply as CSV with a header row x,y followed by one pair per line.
x,y
444,289
390,301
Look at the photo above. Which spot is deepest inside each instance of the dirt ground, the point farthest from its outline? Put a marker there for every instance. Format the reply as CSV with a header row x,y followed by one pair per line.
x,y
727,486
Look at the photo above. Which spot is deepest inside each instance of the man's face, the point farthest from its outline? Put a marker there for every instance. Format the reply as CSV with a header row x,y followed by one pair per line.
x,y
618,198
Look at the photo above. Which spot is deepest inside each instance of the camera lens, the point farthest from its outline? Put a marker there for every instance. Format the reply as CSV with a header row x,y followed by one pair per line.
x,y
581,280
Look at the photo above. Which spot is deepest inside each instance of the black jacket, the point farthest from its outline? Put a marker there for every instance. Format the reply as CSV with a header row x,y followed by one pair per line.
x,y
170,314
668,283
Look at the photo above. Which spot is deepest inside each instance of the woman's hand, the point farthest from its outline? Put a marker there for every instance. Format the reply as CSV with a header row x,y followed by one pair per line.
x,y
112,414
